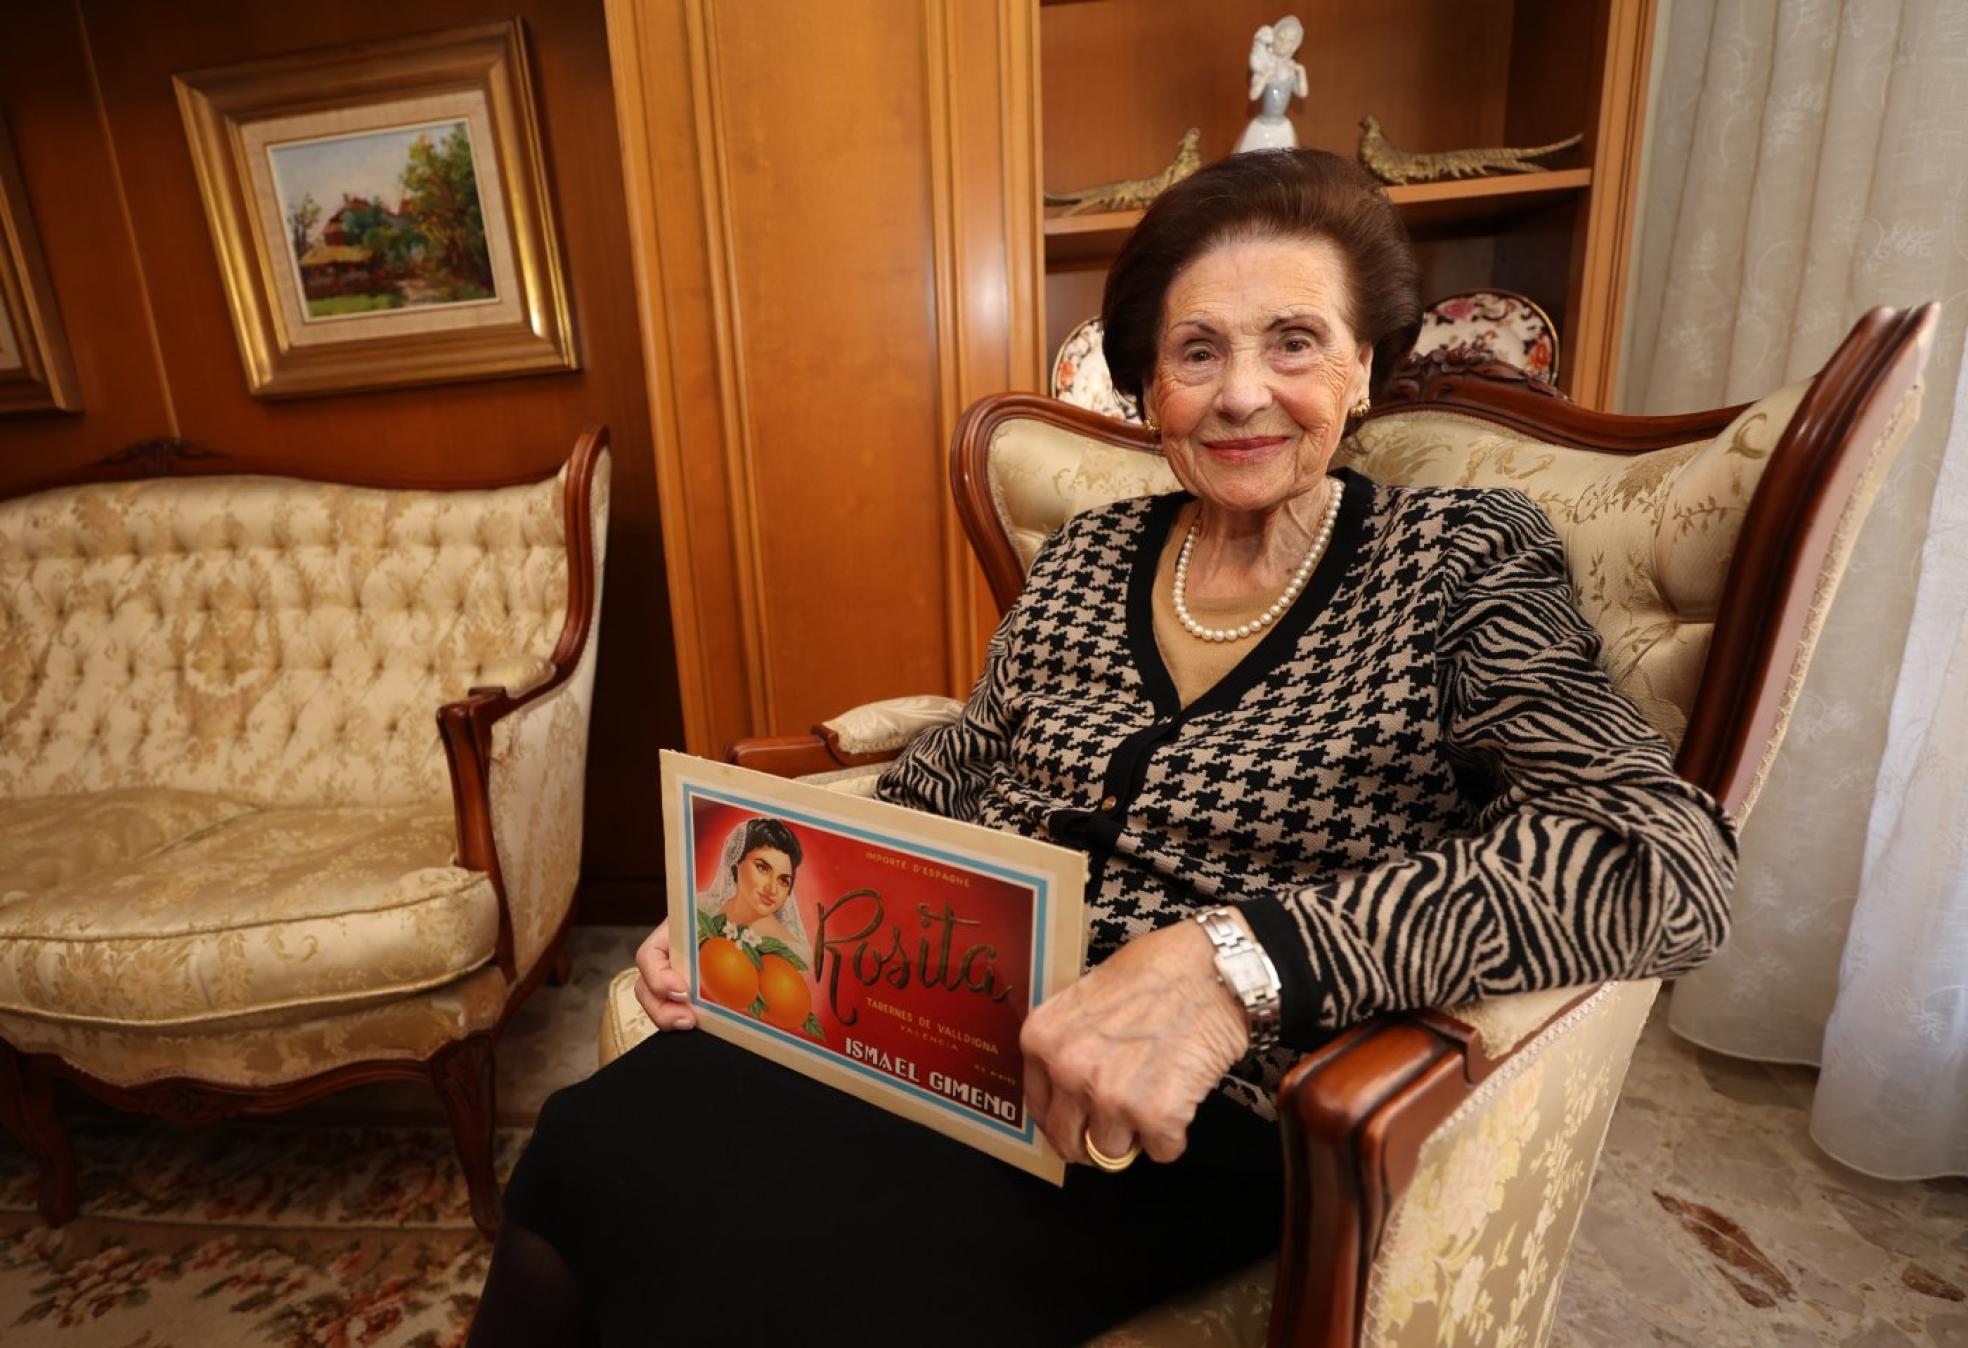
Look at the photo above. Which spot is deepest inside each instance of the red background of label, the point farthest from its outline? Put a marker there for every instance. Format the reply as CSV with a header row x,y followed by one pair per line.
x,y
834,864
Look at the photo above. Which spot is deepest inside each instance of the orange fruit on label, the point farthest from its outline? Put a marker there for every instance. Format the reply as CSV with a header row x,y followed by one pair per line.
x,y
787,999
725,975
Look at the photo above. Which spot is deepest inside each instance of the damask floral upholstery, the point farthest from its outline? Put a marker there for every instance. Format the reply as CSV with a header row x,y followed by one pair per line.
x,y
284,642
1475,1247
1648,536
47,840
1042,475
276,910
227,832
249,1054
1476,1244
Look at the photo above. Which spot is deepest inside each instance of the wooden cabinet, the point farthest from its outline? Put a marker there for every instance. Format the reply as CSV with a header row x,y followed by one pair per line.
x,y
1121,80
839,243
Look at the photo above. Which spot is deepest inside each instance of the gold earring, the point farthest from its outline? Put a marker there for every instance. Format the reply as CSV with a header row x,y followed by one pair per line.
x,y
1361,408
1148,420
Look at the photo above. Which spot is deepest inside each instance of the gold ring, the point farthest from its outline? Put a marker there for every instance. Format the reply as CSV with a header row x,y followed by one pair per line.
x,y
1113,1165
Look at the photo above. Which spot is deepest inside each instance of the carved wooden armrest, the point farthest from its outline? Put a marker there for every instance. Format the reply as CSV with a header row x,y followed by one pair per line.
x,y
1354,1115
465,726
874,732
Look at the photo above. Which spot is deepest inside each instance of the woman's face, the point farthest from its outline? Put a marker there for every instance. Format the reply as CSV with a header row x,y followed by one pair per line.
x,y
765,880
1255,370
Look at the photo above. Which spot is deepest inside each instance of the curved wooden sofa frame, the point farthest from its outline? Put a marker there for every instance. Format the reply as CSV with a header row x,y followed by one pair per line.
x,y
460,1072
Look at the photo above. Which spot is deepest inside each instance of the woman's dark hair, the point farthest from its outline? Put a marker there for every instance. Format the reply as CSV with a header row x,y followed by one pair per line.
x,y
764,832
1287,194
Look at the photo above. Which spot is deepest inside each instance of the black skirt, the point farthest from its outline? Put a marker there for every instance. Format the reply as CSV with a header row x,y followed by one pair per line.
x,y
703,1195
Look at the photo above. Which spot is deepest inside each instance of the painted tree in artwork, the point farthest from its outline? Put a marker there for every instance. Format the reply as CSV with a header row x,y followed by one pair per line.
x,y
440,198
302,220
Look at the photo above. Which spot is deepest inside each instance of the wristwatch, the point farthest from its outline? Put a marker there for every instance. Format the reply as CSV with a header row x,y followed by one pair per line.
x,y
1244,968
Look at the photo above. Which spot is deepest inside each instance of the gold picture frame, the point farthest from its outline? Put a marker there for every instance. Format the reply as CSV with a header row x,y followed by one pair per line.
x,y
36,374
434,257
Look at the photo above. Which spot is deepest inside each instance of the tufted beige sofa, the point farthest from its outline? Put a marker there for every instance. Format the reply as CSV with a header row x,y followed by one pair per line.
x,y
290,785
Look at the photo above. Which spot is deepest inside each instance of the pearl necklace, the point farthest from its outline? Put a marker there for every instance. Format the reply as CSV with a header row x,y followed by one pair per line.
x,y
1278,605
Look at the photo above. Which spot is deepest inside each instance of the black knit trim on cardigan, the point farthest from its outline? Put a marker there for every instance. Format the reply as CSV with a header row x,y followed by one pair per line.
x,y
1096,831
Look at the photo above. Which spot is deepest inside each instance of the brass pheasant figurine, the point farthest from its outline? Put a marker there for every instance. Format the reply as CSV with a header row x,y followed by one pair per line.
x,y
1130,193
1393,165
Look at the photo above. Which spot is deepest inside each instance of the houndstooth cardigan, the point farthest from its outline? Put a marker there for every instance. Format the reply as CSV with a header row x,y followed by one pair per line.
x,y
1419,786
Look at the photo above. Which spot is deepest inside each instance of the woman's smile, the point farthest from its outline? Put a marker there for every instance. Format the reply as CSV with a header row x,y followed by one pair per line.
x,y
1245,448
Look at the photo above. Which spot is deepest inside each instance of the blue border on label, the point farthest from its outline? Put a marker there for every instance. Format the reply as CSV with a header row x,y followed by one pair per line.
x,y
1037,882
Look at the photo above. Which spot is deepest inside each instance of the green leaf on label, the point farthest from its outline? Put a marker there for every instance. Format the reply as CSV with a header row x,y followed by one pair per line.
x,y
772,945
812,1027
752,954
757,1008
709,925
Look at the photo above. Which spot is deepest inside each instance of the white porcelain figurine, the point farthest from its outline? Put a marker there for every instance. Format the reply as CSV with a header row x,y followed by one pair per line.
x,y
1275,77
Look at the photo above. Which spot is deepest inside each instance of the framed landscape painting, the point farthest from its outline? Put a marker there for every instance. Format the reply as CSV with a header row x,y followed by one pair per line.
x,y
381,215
35,372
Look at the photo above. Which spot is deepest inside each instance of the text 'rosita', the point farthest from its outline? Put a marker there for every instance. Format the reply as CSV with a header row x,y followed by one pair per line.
x,y
974,971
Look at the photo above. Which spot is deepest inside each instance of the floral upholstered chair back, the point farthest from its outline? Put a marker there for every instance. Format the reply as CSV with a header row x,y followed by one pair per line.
x,y
281,641
1648,536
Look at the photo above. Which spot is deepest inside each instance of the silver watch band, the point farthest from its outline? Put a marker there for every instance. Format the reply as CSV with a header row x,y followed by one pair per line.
x,y
1244,968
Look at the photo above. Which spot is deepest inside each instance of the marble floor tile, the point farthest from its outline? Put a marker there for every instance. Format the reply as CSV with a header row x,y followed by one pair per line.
x,y
1715,1220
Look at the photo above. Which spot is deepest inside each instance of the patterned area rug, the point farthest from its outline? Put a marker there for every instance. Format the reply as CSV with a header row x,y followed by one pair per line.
x,y
343,1225
249,1234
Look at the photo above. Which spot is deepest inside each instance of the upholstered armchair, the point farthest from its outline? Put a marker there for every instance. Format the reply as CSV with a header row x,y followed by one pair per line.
x,y
1437,1161
291,779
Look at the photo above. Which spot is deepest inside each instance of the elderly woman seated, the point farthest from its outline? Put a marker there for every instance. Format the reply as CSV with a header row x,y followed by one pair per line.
x,y
1333,748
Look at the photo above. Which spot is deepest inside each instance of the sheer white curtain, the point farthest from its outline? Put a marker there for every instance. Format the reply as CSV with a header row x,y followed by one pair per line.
x,y
1808,160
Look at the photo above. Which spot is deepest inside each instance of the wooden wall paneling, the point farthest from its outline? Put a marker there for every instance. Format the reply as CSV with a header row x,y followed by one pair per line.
x,y
982,79
634,61
969,274
1022,121
68,165
89,85
709,111
802,350
1603,250
830,236
652,59
1021,98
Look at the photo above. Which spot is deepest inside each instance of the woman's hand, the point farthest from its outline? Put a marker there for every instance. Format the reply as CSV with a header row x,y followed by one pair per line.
x,y
1129,1051
663,992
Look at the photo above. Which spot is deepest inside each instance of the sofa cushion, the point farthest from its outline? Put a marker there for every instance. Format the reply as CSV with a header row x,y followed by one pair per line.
x,y
409,1029
49,840
267,916
287,642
